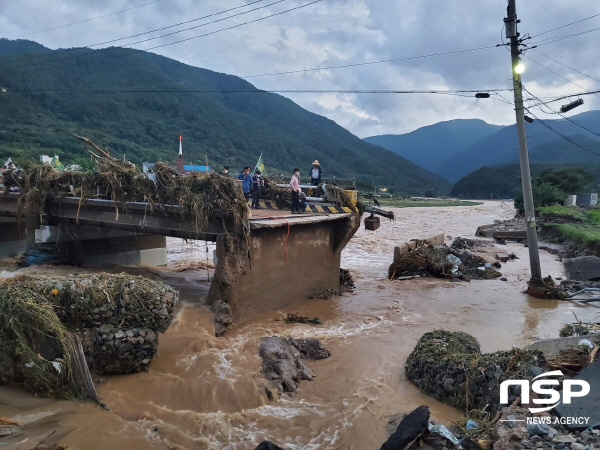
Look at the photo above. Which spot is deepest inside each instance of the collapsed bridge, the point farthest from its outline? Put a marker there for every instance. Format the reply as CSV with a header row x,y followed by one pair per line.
x,y
265,261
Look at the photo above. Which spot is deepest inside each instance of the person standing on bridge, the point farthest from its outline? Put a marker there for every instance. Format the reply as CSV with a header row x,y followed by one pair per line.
x,y
257,184
315,175
246,180
295,187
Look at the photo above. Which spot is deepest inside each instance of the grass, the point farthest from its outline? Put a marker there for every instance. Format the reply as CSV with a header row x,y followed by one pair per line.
x,y
408,203
586,233
558,210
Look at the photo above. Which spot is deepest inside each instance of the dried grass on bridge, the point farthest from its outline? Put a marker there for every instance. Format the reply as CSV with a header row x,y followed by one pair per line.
x,y
200,195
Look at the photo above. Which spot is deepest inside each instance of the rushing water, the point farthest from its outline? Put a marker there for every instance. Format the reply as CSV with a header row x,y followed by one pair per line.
x,y
203,392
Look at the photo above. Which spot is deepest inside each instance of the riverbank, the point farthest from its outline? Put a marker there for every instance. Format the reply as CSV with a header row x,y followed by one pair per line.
x,y
203,392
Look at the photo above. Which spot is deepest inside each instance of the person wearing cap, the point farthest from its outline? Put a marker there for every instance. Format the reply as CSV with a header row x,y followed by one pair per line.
x,y
257,184
225,172
315,173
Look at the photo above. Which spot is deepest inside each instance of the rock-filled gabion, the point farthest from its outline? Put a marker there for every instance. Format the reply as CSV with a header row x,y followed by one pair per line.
x,y
450,367
117,316
113,350
91,300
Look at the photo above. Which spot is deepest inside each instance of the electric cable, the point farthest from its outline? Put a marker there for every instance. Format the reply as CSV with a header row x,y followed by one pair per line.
x,y
96,52
563,26
60,52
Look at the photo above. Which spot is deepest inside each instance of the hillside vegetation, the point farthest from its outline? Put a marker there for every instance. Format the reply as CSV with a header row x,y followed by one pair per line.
x,y
221,117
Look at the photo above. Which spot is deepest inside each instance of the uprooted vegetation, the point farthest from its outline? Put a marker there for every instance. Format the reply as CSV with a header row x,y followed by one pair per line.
x,y
450,367
200,196
441,261
116,316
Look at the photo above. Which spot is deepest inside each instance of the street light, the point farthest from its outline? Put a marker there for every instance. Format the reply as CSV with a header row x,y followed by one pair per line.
x,y
520,68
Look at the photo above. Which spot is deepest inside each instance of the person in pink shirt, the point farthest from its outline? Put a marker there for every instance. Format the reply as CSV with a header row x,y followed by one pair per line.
x,y
295,186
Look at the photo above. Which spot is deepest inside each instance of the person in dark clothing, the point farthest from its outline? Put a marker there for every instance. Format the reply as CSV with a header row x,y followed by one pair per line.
x,y
295,187
246,180
316,173
302,202
225,171
257,184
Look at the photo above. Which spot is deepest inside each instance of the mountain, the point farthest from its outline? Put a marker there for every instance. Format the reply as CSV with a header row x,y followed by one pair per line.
x,y
429,145
444,157
503,181
138,103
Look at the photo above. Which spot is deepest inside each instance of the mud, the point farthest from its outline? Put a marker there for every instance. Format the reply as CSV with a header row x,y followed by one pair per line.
x,y
204,392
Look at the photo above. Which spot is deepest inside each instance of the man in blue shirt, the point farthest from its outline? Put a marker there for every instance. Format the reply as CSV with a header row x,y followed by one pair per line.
x,y
246,180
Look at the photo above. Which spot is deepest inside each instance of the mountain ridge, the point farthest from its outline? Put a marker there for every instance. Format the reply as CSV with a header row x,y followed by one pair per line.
x,y
221,117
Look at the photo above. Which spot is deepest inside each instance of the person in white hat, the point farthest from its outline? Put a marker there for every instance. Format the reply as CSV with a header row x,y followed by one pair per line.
x,y
315,173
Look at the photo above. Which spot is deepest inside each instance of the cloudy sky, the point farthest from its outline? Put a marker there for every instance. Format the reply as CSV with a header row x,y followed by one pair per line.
x,y
331,33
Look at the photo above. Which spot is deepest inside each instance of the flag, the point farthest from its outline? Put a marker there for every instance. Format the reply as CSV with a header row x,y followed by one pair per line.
x,y
260,165
57,164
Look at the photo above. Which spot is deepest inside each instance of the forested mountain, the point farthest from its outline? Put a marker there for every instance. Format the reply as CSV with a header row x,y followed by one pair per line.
x,y
429,146
501,146
503,181
49,95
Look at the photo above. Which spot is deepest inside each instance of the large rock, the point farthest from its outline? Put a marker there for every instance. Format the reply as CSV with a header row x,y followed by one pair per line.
x,y
283,363
267,445
584,406
582,268
409,431
310,348
223,316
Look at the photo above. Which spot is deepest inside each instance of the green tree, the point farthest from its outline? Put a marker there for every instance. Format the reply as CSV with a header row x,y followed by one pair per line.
x,y
553,185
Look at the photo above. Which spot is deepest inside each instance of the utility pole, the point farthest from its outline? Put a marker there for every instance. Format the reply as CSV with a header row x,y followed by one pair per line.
x,y
511,33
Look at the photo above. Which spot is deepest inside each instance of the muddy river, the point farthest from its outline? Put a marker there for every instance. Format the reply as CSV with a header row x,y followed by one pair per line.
x,y
202,392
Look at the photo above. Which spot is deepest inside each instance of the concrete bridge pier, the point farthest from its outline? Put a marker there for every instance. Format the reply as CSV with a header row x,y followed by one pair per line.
x,y
285,260
12,237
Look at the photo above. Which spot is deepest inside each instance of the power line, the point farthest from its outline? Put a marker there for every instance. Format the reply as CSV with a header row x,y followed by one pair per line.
x,y
258,91
568,67
343,66
566,117
562,38
152,31
87,20
158,37
565,137
563,26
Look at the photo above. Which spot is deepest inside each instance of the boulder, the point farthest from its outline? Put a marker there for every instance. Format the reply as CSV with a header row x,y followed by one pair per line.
x,y
283,363
310,348
223,316
267,445
409,430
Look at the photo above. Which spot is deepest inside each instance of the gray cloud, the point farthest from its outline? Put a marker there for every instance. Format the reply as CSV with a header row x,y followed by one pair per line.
x,y
338,32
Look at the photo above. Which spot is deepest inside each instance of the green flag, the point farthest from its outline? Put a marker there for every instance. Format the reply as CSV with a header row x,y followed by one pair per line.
x,y
57,164
260,165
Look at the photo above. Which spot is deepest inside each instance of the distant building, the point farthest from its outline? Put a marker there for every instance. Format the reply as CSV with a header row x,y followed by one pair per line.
x,y
187,168
590,199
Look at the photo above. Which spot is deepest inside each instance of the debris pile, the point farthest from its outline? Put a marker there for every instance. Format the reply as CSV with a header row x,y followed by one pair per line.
x,y
546,288
441,261
295,318
461,243
34,349
346,281
450,367
281,196
116,316
283,361
199,195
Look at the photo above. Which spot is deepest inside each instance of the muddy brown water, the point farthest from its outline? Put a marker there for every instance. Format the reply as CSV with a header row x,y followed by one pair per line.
x,y
202,392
